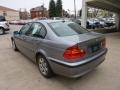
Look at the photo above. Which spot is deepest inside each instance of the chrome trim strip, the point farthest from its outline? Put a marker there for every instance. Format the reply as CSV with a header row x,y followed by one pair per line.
x,y
78,63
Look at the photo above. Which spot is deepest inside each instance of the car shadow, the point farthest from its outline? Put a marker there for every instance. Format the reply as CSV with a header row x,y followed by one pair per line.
x,y
62,78
68,83
72,82
6,33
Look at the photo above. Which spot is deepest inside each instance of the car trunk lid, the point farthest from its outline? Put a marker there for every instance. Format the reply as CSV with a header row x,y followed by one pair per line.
x,y
90,42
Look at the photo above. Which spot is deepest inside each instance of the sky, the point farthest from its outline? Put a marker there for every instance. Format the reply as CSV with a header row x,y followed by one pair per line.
x,y
28,4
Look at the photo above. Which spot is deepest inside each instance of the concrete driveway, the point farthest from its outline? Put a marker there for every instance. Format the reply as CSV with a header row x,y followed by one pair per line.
x,y
19,73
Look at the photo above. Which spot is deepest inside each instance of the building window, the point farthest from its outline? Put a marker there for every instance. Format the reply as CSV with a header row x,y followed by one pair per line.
x,y
4,13
40,13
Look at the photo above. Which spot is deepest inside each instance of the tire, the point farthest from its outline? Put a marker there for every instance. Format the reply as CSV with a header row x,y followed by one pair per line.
x,y
44,67
2,31
14,45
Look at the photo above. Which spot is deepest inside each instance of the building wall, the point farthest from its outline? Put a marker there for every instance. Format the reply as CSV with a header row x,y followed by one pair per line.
x,y
10,15
24,15
38,14
35,14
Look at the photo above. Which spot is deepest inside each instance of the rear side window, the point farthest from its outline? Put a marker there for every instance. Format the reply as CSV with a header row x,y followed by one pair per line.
x,y
43,32
67,28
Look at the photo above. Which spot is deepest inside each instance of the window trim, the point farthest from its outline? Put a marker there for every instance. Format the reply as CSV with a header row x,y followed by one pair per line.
x,y
44,28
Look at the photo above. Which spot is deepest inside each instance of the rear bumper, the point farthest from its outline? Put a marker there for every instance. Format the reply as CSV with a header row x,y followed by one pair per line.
x,y
74,70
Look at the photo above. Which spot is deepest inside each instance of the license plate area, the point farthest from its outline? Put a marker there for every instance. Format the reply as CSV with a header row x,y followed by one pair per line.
x,y
95,48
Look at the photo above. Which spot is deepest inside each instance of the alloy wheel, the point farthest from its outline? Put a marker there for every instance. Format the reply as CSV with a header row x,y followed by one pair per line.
x,y
1,31
43,66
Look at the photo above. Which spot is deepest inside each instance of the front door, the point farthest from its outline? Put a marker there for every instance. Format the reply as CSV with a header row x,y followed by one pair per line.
x,y
33,39
20,38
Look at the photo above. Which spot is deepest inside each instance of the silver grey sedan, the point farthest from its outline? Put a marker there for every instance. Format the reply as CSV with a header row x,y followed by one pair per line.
x,y
60,47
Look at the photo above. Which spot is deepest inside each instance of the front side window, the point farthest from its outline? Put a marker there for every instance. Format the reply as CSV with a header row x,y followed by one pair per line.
x,y
36,30
24,29
33,29
67,28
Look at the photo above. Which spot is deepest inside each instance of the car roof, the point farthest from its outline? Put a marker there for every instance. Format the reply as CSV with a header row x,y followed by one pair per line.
x,y
48,21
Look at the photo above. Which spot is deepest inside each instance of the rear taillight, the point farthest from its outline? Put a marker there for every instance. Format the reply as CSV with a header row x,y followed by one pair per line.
x,y
103,43
74,52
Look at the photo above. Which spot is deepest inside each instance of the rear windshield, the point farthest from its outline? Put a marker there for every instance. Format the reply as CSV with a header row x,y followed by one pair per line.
x,y
67,28
2,18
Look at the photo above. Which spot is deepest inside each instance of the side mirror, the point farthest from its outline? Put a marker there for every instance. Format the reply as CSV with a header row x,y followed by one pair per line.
x,y
15,32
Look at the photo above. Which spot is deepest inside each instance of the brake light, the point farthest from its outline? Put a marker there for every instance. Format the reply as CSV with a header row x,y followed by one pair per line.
x,y
74,52
103,43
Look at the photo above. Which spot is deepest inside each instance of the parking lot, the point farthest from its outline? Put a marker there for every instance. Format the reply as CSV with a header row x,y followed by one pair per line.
x,y
18,73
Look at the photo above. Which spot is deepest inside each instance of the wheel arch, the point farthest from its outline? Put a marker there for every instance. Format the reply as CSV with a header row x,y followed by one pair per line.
x,y
40,52
1,27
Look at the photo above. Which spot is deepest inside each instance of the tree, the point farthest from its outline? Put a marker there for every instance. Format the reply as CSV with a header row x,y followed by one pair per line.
x,y
52,10
59,8
65,13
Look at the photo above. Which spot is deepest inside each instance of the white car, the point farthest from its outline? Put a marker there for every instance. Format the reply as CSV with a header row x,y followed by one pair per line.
x,y
4,25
